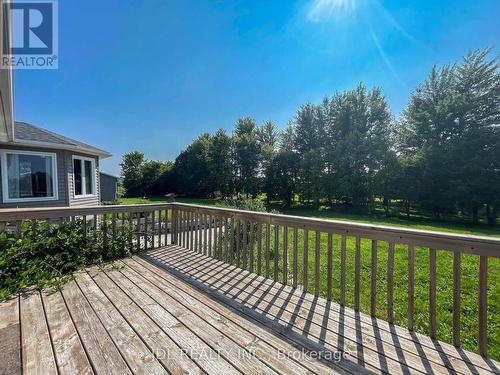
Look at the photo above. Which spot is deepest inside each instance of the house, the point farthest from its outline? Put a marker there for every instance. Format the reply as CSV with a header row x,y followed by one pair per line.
x,y
108,187
39,168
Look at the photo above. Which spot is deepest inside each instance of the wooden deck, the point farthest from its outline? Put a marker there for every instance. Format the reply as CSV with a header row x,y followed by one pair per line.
x,y
171,310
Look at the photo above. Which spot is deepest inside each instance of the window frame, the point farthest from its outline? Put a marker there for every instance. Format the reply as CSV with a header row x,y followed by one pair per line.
x,y
5,182
94,180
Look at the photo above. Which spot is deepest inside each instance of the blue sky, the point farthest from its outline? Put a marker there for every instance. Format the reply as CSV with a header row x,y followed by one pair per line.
x,y
152,75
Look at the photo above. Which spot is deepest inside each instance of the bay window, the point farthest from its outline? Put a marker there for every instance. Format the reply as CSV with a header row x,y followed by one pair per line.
x,y
28,176
83,176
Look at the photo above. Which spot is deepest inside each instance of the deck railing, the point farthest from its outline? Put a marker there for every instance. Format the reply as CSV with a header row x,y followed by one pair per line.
x,y
151,222
280,247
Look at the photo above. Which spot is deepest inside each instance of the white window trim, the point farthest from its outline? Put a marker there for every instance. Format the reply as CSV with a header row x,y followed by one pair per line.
x,y
94,181
5,184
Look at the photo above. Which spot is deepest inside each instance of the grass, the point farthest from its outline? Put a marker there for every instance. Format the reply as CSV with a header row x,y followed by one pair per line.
x,y
470,269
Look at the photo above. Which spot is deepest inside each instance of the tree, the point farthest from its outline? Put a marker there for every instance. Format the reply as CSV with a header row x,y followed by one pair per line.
x,y
358,140
452,123
192,168
131,170
281,176
309,140
246,156
477,148
155,177
267,136
221,171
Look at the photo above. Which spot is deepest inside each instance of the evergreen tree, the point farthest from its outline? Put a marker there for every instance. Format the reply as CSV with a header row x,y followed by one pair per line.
x,y
221,164
246,156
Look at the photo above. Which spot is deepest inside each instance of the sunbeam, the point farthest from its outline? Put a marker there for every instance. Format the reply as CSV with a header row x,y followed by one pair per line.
x,y
325,9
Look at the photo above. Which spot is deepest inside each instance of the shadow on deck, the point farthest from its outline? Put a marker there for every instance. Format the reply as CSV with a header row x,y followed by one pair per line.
x,y
171,310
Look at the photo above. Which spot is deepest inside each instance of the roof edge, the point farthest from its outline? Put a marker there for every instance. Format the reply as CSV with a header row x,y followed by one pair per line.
x,y
102,154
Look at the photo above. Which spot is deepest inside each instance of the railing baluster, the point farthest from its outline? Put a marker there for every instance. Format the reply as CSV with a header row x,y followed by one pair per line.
x,y
317,264
191,230
252,245
231,238
219,238
357,273
205,234
432,293
201,231
342,268
268,250
238,247
457,260
174,236
390,283
373,292
19,224
85,228
185,229
196,231
138,230
226,239
244,234
306,259
483,305
130,240
159,228
165,229
276,251
214,236
153,242
295,257
210,236
411,285
285,254
329,273
259,250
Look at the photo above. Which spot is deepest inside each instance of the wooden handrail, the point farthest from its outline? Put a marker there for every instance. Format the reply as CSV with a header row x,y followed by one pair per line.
x,y
12,214
472,244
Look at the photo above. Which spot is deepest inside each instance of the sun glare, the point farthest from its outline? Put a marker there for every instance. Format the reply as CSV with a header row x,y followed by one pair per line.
x,y
325,9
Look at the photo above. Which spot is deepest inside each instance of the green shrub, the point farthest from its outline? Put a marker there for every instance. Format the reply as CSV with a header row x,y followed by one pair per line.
x,y
48,255
247,204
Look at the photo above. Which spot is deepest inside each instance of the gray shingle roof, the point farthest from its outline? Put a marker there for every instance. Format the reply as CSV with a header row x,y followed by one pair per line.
x,y
32,133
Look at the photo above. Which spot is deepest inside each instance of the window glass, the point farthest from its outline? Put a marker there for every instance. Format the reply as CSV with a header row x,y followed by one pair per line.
x,y
30,176
77,172
83,171
88,177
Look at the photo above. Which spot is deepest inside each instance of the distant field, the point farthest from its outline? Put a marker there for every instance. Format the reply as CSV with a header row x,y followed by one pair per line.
x,y
444,269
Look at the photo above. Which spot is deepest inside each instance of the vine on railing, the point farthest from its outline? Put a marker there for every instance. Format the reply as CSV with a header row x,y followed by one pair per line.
x,y
41,247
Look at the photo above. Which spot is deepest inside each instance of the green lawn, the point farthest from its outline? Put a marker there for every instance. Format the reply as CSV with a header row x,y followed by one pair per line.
x,y
469,314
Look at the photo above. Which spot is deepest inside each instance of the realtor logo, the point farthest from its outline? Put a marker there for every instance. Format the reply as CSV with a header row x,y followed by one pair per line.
x,y
34,39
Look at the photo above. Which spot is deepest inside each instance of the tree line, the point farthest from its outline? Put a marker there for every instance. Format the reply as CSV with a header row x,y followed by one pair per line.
x,y
441,156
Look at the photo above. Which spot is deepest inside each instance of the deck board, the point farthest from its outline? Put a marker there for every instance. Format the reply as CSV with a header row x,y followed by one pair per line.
x,y
171,310
37,354
69,352
10,334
